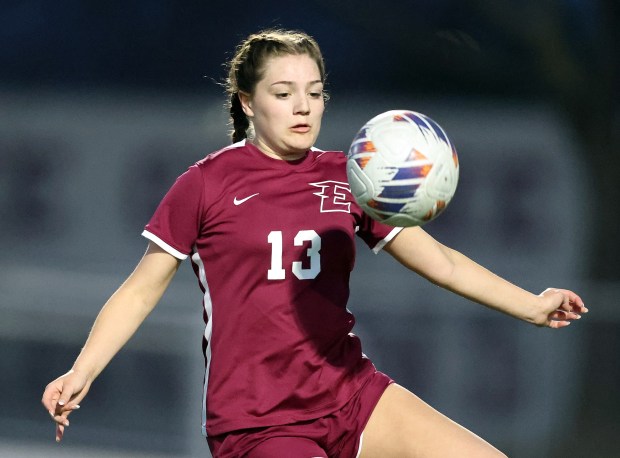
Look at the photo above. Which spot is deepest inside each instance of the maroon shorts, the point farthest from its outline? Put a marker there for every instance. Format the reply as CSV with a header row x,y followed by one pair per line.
x,y
335,435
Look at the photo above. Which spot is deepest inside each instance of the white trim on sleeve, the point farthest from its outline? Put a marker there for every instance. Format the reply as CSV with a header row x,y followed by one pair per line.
x,y
173,251
379,246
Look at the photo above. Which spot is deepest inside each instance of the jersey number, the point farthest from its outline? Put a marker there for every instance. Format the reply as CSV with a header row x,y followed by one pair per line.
x,y
276,272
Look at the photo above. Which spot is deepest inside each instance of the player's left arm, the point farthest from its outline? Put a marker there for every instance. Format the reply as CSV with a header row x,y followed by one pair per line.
x,y
417,250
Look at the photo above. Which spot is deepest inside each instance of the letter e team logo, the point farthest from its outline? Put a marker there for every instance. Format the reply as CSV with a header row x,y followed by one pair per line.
x,y
333,196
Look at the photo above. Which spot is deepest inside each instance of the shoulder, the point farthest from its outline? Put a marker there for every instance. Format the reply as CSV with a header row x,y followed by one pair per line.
x,y
329,156
221,163
223,156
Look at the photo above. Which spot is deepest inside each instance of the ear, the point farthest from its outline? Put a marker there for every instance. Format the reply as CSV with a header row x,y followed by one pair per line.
x,y
246,103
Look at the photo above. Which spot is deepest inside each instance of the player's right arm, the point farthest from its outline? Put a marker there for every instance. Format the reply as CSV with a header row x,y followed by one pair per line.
x,y
117,321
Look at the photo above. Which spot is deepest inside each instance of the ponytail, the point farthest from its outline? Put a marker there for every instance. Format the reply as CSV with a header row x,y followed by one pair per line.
x,y
240,121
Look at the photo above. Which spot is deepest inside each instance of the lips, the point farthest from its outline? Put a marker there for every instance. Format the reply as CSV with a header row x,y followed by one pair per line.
x,y
301,128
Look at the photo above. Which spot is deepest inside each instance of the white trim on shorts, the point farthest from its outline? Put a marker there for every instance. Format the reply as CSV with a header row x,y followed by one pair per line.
x,y
359,449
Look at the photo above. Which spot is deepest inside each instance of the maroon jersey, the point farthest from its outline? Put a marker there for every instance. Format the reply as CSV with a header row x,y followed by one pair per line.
x,y
272,244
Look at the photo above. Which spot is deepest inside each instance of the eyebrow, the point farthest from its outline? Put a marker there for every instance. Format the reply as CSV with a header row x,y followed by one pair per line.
x,y
291,83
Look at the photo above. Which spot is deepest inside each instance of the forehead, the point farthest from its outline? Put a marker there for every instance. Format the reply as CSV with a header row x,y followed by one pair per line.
x,y
296,68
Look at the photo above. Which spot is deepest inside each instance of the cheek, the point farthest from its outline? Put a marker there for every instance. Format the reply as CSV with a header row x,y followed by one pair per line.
x,y
319,115
271,115
320,109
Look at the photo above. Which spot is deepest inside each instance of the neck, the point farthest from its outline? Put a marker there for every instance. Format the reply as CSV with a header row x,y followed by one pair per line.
x,y
288,156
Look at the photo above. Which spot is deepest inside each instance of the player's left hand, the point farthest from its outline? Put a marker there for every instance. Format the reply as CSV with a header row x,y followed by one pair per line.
x,y
560,308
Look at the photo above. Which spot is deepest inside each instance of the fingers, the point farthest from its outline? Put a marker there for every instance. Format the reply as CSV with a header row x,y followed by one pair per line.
x,y
61,397
565,307
61,419
60,432
65,396
50,396
57,393
572,302
561,318
558,324
53,399
577,303
563,314
61,416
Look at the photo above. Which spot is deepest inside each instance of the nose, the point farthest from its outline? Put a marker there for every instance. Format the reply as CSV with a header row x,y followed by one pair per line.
x,y
302,105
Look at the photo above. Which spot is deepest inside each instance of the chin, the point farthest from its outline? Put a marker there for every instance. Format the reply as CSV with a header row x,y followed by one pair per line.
x,y
298,148
301,146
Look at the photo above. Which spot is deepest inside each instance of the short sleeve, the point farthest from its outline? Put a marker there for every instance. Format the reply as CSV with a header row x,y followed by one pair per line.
x,y
176,223
376,234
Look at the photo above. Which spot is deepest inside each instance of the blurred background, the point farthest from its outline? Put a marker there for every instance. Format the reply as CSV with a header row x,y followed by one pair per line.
x,y
104,104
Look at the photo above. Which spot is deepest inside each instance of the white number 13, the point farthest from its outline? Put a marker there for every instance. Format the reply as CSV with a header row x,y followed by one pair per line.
x,y
276,272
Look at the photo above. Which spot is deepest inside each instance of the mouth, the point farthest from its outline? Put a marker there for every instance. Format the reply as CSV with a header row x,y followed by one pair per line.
x,y
301,128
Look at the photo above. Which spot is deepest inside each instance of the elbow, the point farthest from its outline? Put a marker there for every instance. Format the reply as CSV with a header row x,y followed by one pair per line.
x,y
441,275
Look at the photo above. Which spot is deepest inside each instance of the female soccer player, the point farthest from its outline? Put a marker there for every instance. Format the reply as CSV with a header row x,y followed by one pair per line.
x,y
269,224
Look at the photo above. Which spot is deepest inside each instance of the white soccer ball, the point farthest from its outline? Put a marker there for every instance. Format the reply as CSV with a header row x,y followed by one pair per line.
x,y
402,168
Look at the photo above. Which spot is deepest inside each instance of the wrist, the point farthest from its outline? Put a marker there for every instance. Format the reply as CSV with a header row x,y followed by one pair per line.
x,y
540,317
84,370
533,311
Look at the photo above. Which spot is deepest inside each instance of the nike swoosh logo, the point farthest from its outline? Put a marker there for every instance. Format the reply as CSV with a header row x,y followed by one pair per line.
x,y
240,201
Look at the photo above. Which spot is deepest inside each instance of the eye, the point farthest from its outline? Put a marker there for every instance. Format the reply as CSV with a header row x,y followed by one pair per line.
x,y
316,95
282,95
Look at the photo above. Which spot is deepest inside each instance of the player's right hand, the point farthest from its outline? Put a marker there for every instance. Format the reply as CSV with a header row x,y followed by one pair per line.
x,y
62,396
